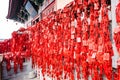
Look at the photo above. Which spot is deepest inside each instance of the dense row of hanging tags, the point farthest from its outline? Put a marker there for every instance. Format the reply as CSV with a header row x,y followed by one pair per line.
x,y
75,39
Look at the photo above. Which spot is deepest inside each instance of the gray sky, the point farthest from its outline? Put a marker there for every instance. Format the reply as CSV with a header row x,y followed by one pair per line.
x,y
6,27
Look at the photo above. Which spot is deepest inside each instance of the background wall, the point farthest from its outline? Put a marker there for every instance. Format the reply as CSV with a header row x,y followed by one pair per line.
x,y
60,4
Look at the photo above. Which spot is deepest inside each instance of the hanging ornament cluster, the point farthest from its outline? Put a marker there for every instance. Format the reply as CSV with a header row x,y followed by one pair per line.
x,y
117,29
76,38
5,46
117,38
20,47
117,43
118,12
18,50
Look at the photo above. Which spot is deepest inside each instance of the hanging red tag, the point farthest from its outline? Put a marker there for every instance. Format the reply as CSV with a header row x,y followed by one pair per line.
x,y
72,23
74,55
90,42
78,39
72,36
93,55
117,29
85,43
96,5
106,56
72,30
100,48
94,47
118,13
90,46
